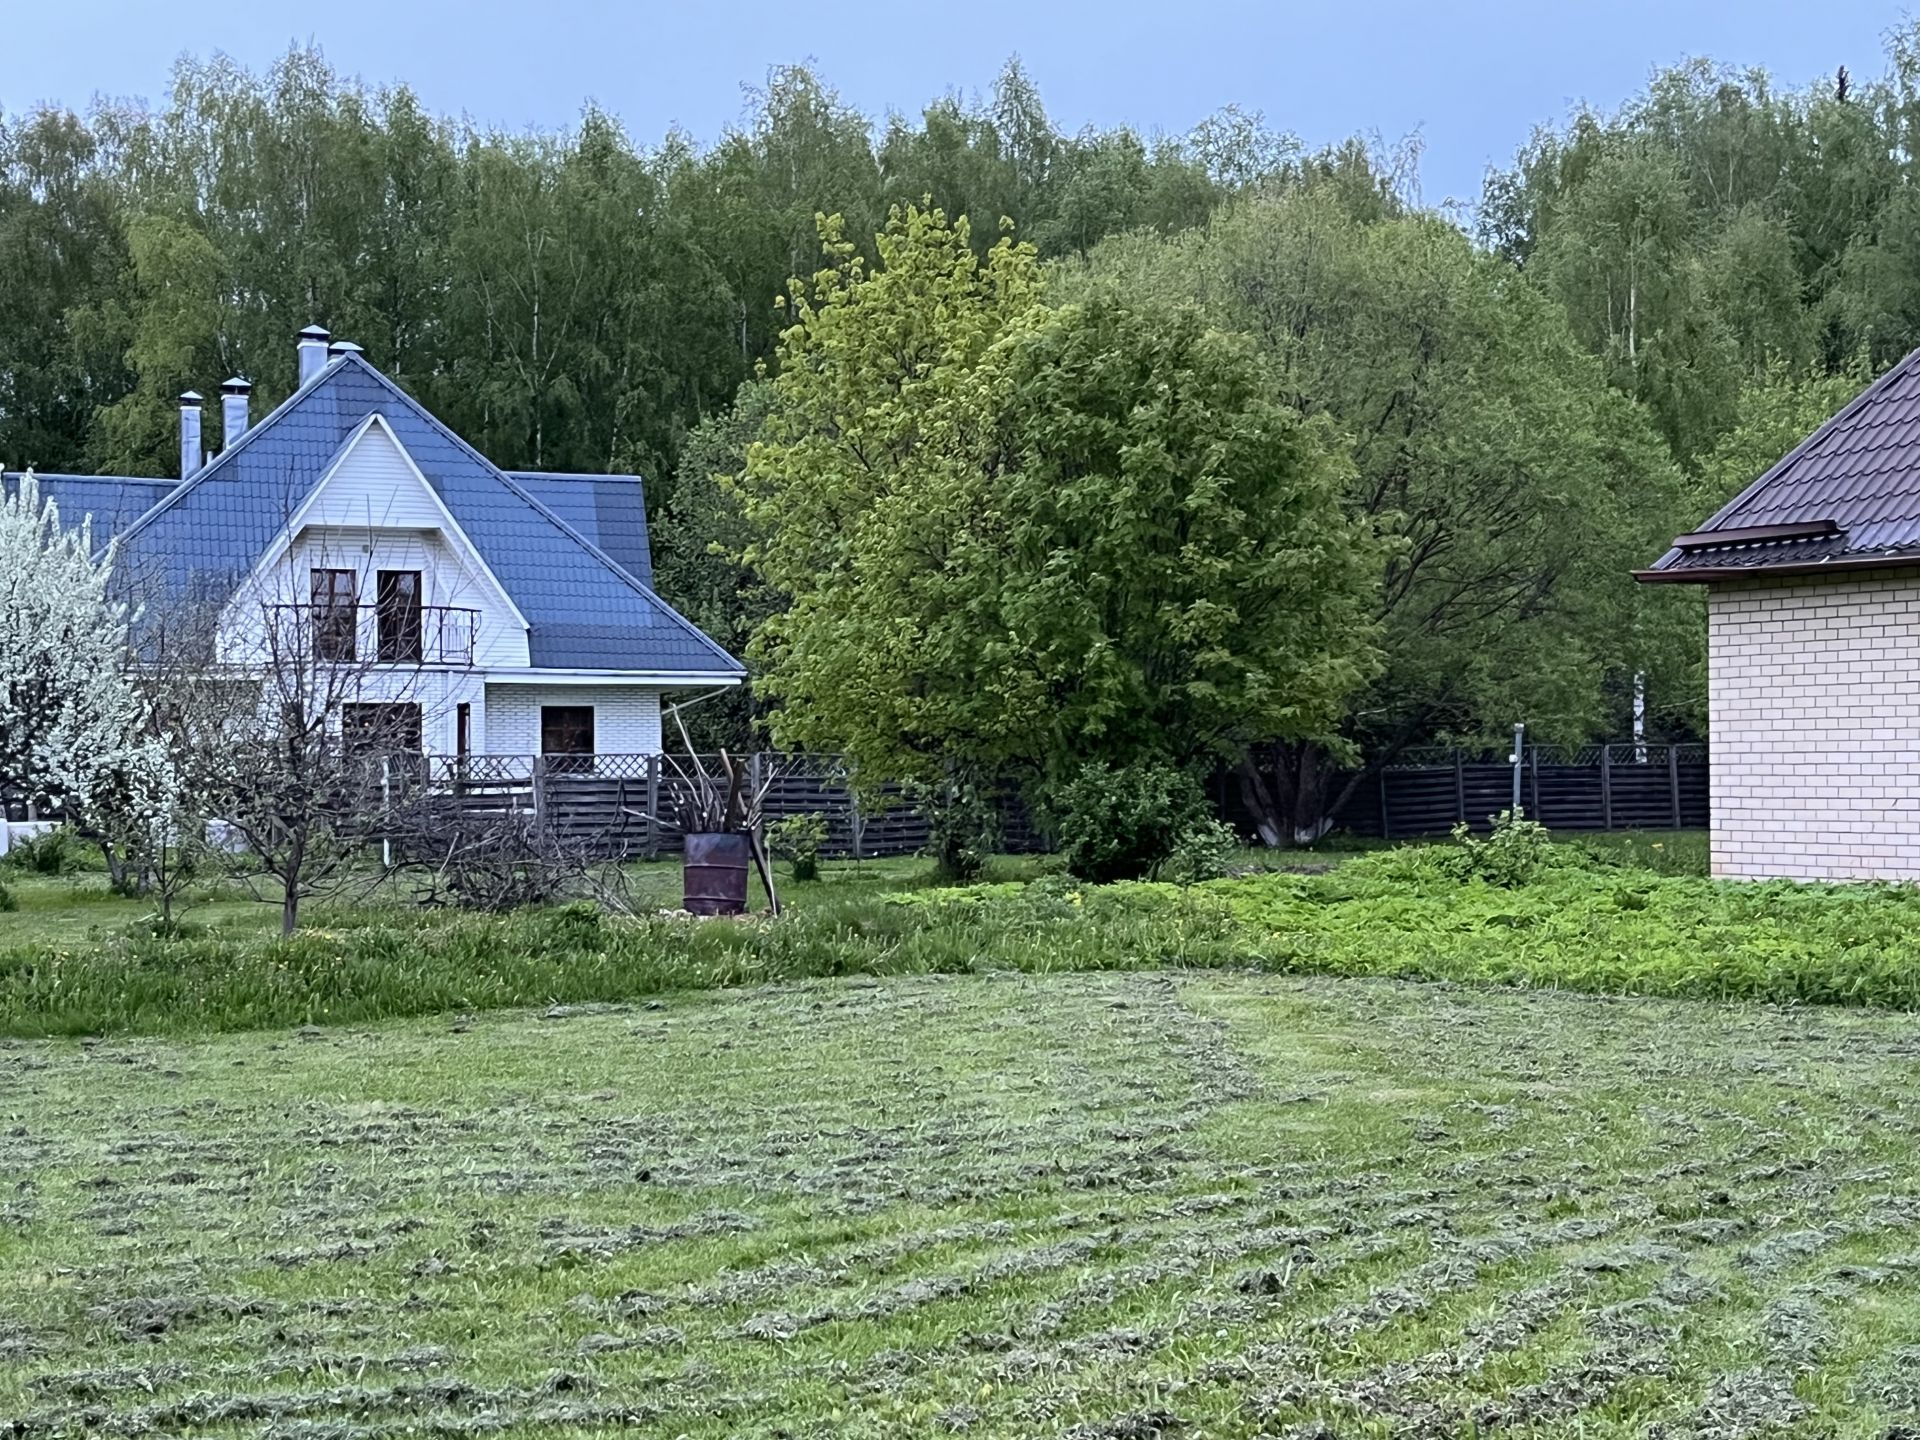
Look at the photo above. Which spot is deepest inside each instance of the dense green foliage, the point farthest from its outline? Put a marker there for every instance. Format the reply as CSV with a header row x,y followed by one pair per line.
x,y
1648,307
1515,489
1719,222
570,301
1014,538
1120,822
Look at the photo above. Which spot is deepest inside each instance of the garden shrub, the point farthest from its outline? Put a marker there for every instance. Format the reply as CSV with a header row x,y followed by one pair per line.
x,y
1513,853
1120,823
963,826
798,840
54,853
7,902
1203,851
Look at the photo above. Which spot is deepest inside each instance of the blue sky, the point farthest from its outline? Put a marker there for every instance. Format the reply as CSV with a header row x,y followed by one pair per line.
x,y
1470,78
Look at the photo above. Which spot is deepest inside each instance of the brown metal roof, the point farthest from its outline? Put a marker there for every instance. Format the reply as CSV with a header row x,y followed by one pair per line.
x,y
1846,496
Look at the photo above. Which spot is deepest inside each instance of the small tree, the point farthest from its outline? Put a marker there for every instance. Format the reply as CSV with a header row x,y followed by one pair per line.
x,y
301,756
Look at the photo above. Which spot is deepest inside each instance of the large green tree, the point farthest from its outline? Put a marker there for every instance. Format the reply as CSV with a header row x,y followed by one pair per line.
x,y
1516,490
1014,538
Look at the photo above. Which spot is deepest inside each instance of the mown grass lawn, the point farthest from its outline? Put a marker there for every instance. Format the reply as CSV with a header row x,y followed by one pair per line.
x,y
1118,1205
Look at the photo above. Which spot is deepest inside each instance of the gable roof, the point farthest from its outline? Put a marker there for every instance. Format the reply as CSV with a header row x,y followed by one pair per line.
x,y
114,501
584,610
609,510
1846,497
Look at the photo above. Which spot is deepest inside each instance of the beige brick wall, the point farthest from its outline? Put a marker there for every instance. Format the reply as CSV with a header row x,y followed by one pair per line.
x,y
1814,688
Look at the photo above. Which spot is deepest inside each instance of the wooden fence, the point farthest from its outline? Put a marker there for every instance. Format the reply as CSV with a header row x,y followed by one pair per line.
x,y
615,804
607,803
1592,787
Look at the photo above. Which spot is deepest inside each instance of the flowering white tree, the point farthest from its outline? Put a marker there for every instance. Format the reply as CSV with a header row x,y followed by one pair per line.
x,y
73,726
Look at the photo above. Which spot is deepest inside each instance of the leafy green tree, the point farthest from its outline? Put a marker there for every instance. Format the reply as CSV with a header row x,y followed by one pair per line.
x,y
1016,538
63,261
1515,489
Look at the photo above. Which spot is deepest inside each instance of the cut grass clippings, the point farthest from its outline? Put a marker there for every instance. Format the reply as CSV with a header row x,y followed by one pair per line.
x,y
1086,1207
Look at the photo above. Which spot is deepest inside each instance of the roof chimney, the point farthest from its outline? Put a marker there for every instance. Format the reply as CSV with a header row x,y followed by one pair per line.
x,y
233,410
191,455
313,351
343,347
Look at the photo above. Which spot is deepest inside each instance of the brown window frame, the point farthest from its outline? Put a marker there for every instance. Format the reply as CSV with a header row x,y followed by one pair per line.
x,y
399,618
335,612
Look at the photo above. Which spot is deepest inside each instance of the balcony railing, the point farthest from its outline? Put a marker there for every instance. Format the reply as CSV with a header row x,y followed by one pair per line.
x,y
379,634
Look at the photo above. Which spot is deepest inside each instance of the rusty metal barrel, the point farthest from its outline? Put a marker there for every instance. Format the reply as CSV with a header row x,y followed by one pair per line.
x,y
714,874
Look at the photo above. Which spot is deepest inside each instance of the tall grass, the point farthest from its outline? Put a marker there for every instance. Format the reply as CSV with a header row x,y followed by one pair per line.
x,y
1590,919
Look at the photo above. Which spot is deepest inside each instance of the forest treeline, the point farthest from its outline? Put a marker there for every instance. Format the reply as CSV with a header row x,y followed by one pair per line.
x,y
1645,308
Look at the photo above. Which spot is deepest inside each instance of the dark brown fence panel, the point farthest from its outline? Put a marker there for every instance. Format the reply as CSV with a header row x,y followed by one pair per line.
x,y
1616,787
624,804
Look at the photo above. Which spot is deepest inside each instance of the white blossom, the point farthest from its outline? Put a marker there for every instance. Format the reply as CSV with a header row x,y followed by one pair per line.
x,y
72,722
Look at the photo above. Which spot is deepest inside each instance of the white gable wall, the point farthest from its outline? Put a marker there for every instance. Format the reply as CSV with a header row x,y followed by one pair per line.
x,y
374,487
374,512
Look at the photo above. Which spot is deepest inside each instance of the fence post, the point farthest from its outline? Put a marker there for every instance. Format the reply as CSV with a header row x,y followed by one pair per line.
x,y
856,827
1533,783
1606,786
1386,824
1517,759
539,792
653,806
1459,786
1673,780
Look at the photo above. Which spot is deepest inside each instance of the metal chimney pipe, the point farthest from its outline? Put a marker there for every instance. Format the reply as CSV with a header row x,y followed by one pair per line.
x,y
233,410
192,457
313,351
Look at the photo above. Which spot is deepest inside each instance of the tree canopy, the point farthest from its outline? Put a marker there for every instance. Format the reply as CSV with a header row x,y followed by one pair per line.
x,y
1647,306
1015,536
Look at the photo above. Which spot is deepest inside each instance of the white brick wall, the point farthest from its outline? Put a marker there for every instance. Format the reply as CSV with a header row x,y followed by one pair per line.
x,y
1814,689
626,718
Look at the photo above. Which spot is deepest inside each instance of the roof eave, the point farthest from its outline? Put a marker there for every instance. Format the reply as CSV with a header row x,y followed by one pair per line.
x,y
1717,574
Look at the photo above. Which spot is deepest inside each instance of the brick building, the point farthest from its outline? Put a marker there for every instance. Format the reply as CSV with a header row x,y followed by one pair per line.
x,y
1813,640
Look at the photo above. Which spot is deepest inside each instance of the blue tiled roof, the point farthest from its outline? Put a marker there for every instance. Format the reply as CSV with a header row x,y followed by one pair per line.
x,y
114,501
610,510
583,608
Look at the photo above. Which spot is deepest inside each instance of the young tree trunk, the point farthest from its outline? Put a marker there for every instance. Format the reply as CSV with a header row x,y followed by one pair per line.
x,y
290,888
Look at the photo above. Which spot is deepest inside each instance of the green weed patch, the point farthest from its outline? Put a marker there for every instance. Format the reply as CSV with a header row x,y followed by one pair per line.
x,y
1583,918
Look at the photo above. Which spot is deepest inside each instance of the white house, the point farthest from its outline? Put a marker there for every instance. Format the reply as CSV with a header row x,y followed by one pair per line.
x,y
482,612
1813,633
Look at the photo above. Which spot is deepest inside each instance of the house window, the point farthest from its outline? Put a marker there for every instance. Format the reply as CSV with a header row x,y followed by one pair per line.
x,y
566,738
399,615
391,729
335,607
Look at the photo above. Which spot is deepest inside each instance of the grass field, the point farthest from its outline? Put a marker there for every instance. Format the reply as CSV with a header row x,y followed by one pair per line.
x,y
1105,1205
